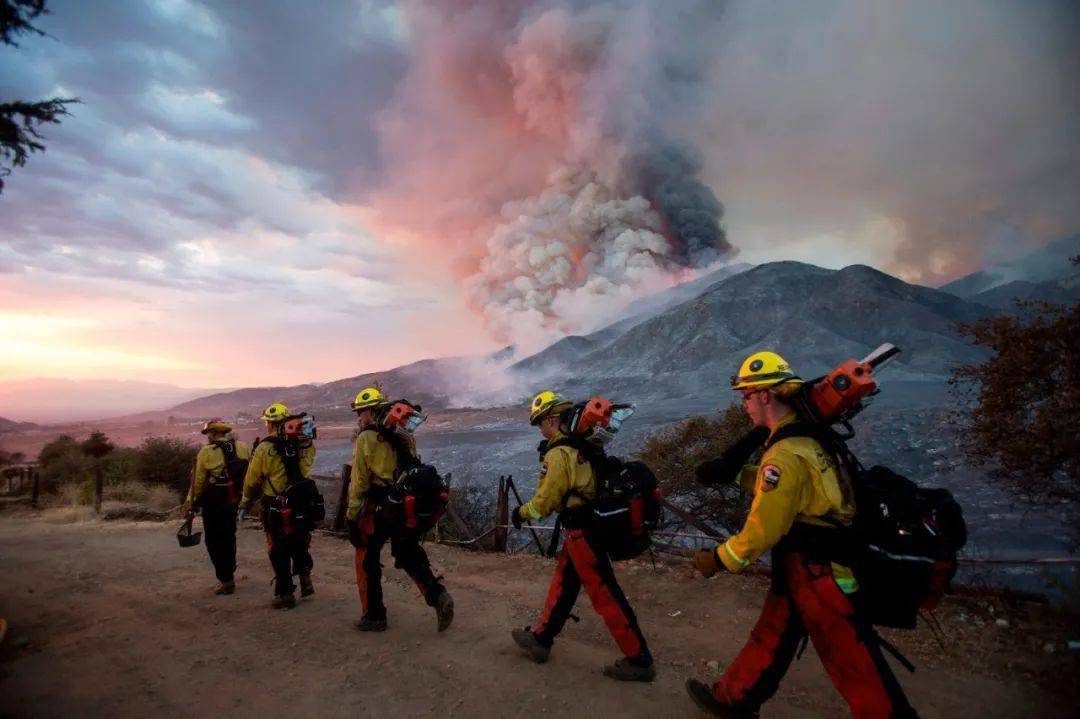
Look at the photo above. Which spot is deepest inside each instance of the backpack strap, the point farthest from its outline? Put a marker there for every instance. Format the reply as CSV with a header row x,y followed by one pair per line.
x,y
405,458
290,456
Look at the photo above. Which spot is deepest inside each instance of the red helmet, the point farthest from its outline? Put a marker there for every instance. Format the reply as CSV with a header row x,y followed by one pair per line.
x,y
404,416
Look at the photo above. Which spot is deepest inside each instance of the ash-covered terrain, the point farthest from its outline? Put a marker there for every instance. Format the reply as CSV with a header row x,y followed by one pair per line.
x,y
673,354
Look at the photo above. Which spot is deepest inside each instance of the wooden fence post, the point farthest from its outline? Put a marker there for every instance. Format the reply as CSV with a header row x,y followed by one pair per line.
x,y
99,485
36,479
502,516
343,498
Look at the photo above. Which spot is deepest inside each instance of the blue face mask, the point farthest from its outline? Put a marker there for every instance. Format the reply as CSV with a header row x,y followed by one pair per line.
x,y
603,435
413,421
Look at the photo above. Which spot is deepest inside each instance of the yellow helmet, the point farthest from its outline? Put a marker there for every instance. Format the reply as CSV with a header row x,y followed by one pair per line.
x,y
369,398
764,369
546,403
276,412
217,426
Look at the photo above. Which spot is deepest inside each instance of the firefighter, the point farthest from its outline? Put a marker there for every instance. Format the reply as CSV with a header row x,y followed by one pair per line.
x,y
374,469
567,481
214,492
268,475
800,499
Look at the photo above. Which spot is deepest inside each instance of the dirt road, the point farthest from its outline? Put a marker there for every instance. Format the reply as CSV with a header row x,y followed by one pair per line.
x,y
113,619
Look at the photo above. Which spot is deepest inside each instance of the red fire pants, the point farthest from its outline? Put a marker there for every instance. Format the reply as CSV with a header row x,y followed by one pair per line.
x,y
408,555
807,601
580,563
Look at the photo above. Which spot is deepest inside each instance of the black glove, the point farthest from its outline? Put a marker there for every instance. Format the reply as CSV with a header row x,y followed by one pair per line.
x,y
725,468
709,473
515,518
356,537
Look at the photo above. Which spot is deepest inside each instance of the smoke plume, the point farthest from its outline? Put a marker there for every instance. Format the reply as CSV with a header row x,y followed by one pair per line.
x,y
542,142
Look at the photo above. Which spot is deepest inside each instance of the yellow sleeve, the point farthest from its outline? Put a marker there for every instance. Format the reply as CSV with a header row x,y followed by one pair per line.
x,y
307,460
198,486
359,479
551,487
782,490
253,478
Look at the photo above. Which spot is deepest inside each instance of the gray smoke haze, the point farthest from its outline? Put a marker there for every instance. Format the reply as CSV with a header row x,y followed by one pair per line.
x,y
925,138
563,186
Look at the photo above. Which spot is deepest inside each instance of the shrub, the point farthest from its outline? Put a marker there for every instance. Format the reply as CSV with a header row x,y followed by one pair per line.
x,y
165,460
474,505
62,461
119,466
1026,419
674,453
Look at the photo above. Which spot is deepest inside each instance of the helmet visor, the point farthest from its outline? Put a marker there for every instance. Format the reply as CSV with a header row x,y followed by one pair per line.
x,y
618,416
413,421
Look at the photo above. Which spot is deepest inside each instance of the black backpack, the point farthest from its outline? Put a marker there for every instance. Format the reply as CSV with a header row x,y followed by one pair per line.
x,y
903,541
909,537
299,505
229,486
626,507
416,501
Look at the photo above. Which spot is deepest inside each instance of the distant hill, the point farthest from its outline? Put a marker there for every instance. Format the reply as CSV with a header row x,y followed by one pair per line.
x,y
8,425
61,400
684,342
813,316
1045,274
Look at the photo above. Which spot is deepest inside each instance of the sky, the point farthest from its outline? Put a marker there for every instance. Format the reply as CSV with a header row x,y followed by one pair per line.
x,y
280,192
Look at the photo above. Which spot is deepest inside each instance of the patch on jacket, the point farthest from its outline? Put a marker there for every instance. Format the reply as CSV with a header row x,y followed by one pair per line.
x,y
770,477
543,470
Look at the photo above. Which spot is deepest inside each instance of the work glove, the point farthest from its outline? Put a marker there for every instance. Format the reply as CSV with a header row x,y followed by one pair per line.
x,y
711,472
516,519
706,562
356,537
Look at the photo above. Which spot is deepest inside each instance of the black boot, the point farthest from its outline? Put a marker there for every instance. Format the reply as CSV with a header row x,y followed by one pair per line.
x,y
702,695
283,601
532,646
444,610
628,670
371,624
306,587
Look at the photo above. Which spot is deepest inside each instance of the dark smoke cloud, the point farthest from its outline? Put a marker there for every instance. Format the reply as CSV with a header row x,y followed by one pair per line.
x,y
668,177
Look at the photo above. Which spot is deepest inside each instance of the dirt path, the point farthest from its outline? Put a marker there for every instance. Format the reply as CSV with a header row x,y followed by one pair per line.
x,y
113,619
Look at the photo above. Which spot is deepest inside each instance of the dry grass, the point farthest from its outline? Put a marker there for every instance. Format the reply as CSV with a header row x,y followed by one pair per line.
x,y
155,497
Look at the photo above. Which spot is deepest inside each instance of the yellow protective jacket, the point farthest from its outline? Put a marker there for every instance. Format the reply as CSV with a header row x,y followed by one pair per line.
x,y
266,470
796,481
210,468
374,463
564,471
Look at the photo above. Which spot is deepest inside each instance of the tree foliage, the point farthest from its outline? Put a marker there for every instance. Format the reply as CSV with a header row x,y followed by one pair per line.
x,y
21,120
165,460
158,460
97,445
62,461
16,18
674,453
1025,424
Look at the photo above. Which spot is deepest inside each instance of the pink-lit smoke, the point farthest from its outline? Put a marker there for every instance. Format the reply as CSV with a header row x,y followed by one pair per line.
x,y
536,148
